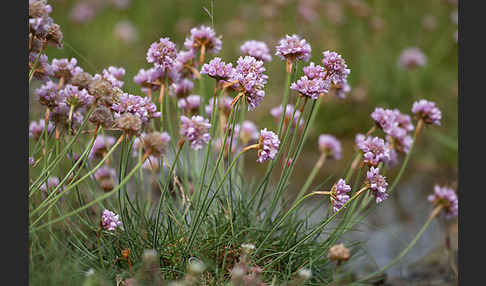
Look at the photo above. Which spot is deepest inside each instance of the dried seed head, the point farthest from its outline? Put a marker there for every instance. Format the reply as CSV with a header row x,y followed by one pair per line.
x,y
339,253
100,88
156,143
102,116
129,123
107,185
54,36
82,80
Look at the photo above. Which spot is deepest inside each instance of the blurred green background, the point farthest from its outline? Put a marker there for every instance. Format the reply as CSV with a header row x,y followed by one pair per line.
x,y
369,34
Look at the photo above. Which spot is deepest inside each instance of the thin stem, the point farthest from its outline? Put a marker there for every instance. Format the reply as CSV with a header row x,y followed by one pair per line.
x,y
313,173
288,78
405,162
69,187
99,199
432,215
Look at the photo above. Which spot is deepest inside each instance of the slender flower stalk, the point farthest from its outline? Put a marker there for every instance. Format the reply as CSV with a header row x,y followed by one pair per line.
x,y
312,175
432,215
93,202
52,201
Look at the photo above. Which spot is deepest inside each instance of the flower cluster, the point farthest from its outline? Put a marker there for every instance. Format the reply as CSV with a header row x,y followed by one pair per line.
x,y
218,69
248,131
73,96
412,58
250,79
101,145
114,75
293,48
330,145
64,68
182,88
50,185
162,54
106,177
190,104
268,145
195,130
142,107
36,129
396,125
377,184
427,111
110,221
256,49
311,88
446,197
339,195
203,36
336,69
374,149
42,28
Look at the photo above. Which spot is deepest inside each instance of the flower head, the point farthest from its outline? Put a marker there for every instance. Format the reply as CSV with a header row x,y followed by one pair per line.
x,y
336,68
101,145
256,49
182,88
36,129
377,184
106,177
313,71
311,88
48,94
341,90
195,130
73,96
126,32
249,74
110,221
134,104
412,58
203,36
330,145
427,111
114,75
52,183
218,69
268,145
64,68
248,131
446,197
338,253
293,48
190,104
374,149
339,195
162,54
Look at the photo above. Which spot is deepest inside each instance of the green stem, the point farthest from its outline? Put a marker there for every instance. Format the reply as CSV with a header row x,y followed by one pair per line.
x,y
313,173
99,199
434,213
53,201
288,77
